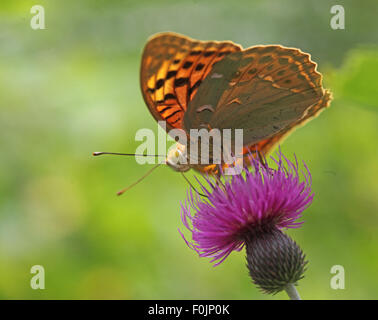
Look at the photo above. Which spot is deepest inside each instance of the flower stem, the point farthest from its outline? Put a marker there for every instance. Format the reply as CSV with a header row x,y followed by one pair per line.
x,y
292,292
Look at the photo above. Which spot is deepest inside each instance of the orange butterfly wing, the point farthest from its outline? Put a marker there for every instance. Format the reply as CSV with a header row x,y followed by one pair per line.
x,y
267,91
172,69
267,145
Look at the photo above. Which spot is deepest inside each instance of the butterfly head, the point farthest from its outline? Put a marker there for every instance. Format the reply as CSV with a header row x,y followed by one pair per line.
x,y
177,159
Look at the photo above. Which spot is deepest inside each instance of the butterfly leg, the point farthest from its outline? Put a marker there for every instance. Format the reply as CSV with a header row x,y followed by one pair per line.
x,y
218,179
262,158
187,180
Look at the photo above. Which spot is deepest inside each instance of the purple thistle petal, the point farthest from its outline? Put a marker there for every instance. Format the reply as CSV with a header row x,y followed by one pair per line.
x,y
260,197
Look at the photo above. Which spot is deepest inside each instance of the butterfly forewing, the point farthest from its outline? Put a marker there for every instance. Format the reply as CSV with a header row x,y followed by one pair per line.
x,y
173,68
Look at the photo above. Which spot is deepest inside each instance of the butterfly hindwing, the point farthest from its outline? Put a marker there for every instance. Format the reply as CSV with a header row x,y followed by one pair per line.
x,y
267,145
264,90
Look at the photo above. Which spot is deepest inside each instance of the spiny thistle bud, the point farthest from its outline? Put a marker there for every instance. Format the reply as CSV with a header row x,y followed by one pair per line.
x,y
274,260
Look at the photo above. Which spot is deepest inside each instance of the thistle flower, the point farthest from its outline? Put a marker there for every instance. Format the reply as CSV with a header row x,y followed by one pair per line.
x,y
251,210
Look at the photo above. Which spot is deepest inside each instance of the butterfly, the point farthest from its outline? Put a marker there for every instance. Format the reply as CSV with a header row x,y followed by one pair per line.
x,y
266,90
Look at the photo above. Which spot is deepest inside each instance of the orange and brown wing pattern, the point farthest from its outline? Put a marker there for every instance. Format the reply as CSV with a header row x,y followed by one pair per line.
x,y
281,67
172,69
266,146
264,90
294,70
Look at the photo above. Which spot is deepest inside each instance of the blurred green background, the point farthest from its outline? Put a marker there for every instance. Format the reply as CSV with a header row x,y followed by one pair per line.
x,y
73,89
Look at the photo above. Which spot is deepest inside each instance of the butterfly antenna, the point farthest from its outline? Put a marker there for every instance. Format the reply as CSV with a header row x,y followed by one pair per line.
x,y
139,180
187,180
126,154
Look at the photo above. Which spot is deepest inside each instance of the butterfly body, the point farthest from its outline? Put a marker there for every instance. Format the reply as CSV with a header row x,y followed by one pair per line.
x,y
267,91
177,159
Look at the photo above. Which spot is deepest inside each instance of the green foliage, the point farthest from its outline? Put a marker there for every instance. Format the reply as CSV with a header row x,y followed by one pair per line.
x,y
356,81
